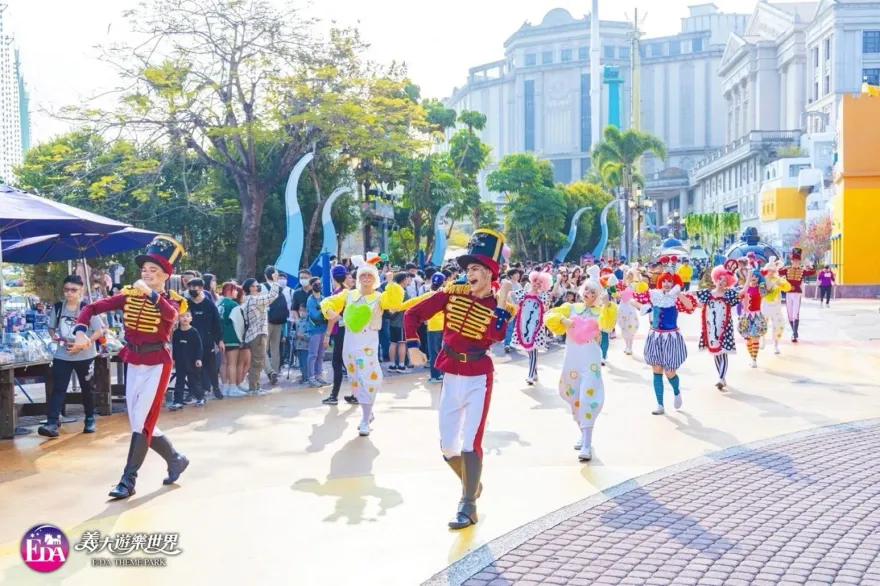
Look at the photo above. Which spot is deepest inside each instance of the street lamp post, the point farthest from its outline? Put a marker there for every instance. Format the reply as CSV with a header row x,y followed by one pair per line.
x,y
639,205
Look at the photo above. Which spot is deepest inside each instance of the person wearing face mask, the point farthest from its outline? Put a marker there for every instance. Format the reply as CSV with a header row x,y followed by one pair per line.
x,y
301,295
206,321
279,314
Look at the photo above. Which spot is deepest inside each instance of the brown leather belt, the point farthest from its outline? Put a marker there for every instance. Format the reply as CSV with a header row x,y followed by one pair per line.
x,y
146,348
463,356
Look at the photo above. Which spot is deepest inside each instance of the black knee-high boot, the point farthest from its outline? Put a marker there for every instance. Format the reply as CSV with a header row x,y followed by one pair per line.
x,y
794,327
137,452
177,462
471,470
455,463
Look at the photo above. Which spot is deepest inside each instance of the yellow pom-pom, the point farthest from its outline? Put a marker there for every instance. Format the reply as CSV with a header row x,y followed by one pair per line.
x,y
641,287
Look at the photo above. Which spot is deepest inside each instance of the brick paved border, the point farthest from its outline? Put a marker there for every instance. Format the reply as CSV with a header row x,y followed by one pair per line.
x,y
485,556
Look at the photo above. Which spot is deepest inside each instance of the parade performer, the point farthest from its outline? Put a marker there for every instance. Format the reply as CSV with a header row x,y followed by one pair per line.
x,y
771,304
148,316
361,311
795,274
753,322
627,315
717,323
529,331
581,382
610,283
665,349
474,320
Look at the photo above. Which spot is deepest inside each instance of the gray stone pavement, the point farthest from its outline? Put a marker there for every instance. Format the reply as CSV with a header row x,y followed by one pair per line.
x,y
803,510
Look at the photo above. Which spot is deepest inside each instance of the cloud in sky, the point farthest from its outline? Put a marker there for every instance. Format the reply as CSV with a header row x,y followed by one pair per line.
x,y
439,41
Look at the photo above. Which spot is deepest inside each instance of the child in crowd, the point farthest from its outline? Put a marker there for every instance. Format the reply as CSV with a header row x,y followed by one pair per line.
x,y
301,344
186,350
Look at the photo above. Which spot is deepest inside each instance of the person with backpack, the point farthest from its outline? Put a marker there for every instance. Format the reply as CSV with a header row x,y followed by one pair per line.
x,y
62,321
317,335
279,313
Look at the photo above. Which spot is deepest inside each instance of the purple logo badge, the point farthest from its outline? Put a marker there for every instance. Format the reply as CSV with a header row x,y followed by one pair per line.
x,y
44,548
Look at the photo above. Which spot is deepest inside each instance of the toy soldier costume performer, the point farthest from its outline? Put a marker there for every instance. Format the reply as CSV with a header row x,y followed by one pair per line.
x,y
795,274
148,315
474,320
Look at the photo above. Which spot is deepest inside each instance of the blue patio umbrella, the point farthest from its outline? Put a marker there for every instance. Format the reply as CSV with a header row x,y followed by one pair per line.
x,y
54,248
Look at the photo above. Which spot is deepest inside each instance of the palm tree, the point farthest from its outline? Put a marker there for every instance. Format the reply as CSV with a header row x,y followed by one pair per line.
x,y
614,160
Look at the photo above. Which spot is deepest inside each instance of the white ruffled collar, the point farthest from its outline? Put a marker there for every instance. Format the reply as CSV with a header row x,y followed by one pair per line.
x,y
661,299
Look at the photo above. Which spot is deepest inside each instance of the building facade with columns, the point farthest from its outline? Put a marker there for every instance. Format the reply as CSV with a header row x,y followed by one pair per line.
x,y
537,99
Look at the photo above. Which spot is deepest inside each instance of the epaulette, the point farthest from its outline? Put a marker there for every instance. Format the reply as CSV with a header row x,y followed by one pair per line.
x,y
181,300
511,308
456,289
130,291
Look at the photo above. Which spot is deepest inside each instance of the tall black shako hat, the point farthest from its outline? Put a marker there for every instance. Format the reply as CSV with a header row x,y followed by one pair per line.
x,y
796,253
484,248
165,251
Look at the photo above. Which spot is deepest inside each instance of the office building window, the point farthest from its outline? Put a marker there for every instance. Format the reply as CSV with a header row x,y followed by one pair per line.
x,y
697,45
565,56
546,57
531,59
530,114
815,56
674,48
586,127
582,53
871,42
871,76
561,170
624,53
826,85
828,49
816,90
609,52
656,50
585,167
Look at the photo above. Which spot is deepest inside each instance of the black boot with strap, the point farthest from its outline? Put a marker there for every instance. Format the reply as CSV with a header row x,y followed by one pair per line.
x,y
137,452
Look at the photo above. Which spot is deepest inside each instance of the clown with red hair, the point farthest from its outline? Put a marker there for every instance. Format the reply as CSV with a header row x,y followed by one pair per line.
x,y
717,322
752,322
665,349
532,302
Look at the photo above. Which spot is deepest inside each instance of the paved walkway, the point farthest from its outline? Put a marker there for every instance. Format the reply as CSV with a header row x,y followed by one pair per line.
x,y
282,490
801,511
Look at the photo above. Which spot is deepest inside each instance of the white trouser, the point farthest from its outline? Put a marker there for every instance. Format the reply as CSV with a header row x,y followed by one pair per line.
x,y
464,404
145,387
774,315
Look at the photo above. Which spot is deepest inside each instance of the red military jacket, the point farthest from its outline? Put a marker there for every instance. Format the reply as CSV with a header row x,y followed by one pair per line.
x,y
471,325
795,276
146,321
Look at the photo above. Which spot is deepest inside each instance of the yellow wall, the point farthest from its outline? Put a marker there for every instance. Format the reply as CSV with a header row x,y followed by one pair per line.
x,y
783,203
856,219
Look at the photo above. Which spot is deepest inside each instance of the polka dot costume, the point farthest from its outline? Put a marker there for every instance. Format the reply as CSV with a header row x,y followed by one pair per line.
x,y
543,336
581,382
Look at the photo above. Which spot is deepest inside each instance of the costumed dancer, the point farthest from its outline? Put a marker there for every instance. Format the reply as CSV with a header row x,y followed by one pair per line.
x,y
148,316
474,320
665,349
795,276
529,331
581,382
753,322
609,283
771,304
594,273
627,315
361,312
717,322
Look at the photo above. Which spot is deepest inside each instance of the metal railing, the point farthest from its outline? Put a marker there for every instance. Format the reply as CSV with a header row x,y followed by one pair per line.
x,y
756,138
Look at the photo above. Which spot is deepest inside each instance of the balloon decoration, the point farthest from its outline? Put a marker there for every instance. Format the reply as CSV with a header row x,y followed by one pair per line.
x,y
584,329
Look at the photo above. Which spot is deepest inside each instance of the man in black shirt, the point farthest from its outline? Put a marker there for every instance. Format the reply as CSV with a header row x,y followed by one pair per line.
x,y
301,295
206,320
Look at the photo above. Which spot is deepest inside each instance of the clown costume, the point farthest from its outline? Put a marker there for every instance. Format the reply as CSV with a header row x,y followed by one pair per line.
x,y
753,322
717,322
771,303
627,315
665,349
361,312
581,382
529,331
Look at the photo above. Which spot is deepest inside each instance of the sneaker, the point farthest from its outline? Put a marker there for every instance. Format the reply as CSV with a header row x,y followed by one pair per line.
x,y
776,349
676,401
507,349
579,444
586,454
89,425
435,379
351,400
218,395
364,429
314,383
323,382
234,392
331,400
721,384
659,410
258,392
753,363
395,368
273,378
48,430
175,406
190,400
199,403
243,386
530,380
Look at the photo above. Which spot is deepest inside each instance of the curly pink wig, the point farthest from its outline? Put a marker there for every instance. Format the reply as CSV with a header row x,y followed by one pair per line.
x,y
720,271
540,280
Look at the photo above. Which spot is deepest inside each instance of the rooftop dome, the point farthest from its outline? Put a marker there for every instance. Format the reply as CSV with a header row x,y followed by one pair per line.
x,y
557,17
